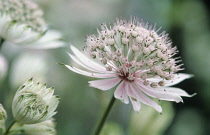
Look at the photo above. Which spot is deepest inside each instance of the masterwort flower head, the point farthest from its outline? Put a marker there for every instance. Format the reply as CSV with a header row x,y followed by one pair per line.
x,y
34,103
22,23
134,57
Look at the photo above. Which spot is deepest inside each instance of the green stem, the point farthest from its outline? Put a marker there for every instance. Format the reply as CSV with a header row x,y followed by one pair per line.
x,y
10,126
102,121
1,42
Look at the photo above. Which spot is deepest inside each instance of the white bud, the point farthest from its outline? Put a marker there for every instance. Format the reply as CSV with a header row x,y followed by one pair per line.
x,y
122,29
149,40
110,41
104,61
161,83
159,54
164,57
125,40
144,76
34,103
132,26
124,60
92,55
135,48
108,68
110,33
150,62
134,33
146,82
146,51
139,39
154,84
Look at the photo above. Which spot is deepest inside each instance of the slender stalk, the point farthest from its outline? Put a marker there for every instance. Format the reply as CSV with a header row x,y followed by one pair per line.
x,y
1,42
10,126
102,121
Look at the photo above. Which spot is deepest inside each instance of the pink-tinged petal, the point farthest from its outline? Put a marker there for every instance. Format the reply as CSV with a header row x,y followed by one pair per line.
x,y
105,84
177,79
144,99
96,75
90,66
133,98
84,59
157,93
177,91
121,92
136,104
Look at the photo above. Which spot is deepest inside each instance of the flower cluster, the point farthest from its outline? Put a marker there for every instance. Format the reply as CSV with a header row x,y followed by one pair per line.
x,y
22,23
24,11
33,107
34,103
133,56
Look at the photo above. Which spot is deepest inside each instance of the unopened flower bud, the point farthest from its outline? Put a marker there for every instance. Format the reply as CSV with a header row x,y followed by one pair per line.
x,y
34,103
154,84
161,83
146,51
139,39
125,40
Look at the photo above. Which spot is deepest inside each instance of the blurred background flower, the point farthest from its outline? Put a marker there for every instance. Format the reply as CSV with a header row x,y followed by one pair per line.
x,y
3,67
187,23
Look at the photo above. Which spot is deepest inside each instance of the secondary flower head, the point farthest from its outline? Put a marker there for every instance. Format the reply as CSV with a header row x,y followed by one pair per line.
x,y
133,56
22,23
34,103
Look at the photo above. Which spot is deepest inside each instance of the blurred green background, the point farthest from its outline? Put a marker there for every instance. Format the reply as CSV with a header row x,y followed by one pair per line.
x,y
186,21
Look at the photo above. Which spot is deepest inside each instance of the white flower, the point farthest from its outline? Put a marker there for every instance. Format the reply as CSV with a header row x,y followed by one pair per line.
x,y
22,23
23,68
136,59
3,118
34,103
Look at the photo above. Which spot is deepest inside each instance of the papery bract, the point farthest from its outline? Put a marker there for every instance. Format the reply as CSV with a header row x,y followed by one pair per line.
x,y
34,103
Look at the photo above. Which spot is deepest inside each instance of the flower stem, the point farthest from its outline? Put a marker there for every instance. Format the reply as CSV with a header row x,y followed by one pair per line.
x,y
1,42
10,126
102,121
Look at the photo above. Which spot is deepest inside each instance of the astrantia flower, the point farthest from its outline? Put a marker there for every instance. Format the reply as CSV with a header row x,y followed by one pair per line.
x,y
22,23
34,103
134,57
